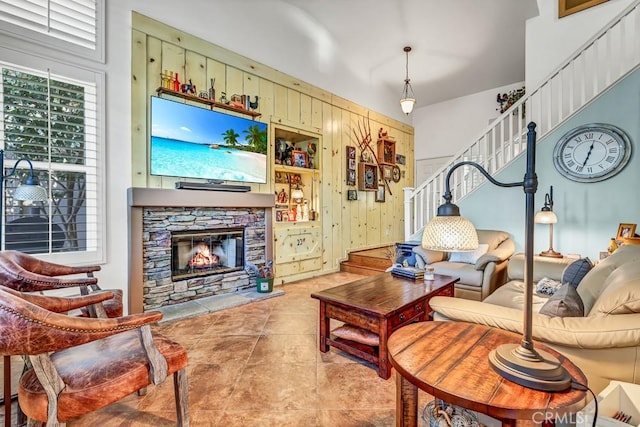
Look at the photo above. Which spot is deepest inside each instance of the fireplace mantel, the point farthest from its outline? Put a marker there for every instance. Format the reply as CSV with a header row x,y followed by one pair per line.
x,y
159,197
140,198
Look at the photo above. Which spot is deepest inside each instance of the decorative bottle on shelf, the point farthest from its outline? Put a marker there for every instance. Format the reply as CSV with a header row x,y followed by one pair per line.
x,y
612,246
176,84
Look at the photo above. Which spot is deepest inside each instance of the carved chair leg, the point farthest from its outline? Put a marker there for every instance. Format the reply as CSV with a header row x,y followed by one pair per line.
x,y
52,384
181,391
142,391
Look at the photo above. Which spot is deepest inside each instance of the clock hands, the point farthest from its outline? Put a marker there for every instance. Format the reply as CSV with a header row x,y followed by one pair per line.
x,y
588,154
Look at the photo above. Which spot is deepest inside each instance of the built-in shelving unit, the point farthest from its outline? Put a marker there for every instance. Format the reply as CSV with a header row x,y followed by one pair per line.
x,y
297,224
207,101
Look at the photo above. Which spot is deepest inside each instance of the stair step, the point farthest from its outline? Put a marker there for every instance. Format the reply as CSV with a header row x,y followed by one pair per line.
x,y
348,267
369,261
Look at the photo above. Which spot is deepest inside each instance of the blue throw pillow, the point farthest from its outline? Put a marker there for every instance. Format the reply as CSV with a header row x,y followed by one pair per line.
x,y
575,271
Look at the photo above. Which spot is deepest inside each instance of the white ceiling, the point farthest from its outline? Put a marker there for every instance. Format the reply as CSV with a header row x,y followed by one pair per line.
x,y
459,47
354,48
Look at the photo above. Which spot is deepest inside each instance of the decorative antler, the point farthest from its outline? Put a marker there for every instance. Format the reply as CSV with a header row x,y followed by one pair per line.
x,y
364,143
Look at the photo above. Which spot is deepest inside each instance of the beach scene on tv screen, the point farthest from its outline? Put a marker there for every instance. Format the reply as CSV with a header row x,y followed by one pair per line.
x,y
194,142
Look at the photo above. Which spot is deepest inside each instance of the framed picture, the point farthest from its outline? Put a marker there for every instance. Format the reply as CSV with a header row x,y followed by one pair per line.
x,y
351,177
625,231
567,7
401,159
380,193
351,152
367,177
387,172
299,159
351,164
352,195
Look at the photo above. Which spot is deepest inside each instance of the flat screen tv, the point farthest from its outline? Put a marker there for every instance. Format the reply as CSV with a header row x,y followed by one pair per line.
x,y
188,141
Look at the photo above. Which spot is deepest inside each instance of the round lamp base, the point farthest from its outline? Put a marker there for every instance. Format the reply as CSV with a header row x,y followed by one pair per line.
x,y
551,253
536,369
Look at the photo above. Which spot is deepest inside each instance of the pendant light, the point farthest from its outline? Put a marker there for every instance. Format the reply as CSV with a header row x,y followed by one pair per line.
x,y
408,98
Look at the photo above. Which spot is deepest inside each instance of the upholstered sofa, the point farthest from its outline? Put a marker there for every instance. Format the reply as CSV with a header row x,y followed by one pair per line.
x,y
480,272
604,343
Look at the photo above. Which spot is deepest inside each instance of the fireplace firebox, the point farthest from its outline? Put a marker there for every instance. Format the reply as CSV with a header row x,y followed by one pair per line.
x,y
205,252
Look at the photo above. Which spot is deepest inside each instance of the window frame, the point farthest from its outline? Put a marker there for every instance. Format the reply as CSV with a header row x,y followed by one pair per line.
x,y
35,64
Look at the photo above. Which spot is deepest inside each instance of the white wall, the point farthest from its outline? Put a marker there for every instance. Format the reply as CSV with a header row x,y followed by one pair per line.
x,y
550,40
443,129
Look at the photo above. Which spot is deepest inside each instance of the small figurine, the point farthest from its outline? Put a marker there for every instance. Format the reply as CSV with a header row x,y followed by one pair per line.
x,y
282,197
252,105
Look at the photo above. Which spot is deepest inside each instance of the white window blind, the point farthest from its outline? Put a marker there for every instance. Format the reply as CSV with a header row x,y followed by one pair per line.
x,y
74,21
52,121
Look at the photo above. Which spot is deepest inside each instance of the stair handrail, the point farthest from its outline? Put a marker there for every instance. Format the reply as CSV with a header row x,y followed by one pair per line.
x,y
420,207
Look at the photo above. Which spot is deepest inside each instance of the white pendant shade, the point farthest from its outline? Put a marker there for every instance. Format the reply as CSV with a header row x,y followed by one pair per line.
x,y
31,192
450,233
407,105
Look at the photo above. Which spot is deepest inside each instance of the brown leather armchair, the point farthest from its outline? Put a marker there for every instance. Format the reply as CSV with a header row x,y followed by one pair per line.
x,y
83,364
26,273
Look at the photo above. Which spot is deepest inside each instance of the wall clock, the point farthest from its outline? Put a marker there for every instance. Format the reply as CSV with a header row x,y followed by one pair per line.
x,y
592,153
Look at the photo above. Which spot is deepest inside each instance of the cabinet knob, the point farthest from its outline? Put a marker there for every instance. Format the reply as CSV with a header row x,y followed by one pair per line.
x,y
401,317
418,307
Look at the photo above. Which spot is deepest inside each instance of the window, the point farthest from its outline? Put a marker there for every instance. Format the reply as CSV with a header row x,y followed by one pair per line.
x,y
73,26
52,121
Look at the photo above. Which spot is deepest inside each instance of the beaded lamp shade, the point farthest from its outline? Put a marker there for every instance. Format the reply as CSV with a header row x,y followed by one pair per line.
x,y
450,233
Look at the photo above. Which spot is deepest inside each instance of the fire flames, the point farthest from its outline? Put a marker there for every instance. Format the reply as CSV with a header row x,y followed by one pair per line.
x,y
203,257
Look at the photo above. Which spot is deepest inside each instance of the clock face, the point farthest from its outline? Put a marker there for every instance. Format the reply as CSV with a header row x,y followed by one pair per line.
x,y
592,153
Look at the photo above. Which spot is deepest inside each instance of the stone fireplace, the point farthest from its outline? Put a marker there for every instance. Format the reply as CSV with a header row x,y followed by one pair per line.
x,y
203,253
189,244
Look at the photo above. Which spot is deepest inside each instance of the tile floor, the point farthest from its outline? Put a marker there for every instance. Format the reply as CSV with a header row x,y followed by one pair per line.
x,y
259,365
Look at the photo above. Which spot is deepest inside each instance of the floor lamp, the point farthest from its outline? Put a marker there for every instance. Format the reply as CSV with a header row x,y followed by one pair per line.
x,y
32,191
547,216
448,231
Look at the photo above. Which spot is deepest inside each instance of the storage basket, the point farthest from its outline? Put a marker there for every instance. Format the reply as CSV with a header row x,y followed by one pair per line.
x,y
439,413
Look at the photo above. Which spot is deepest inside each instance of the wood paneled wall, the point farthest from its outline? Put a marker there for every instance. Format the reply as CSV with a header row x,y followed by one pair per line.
x,y
346,225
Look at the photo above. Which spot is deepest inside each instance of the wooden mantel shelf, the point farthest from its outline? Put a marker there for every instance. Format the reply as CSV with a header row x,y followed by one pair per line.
x,y
160,197
207,101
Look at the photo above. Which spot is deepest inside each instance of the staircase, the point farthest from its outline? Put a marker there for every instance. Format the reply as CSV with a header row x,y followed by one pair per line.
x,y
606,58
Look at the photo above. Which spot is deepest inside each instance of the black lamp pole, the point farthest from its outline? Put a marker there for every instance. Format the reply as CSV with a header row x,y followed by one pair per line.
x,y
522,363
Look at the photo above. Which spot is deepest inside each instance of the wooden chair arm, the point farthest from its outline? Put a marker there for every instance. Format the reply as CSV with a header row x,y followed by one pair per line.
x,y
15,277
49,331
39,266
63,304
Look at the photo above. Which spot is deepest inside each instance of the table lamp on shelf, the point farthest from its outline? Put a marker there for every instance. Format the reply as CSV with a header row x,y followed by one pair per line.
x,y
547,216
448,231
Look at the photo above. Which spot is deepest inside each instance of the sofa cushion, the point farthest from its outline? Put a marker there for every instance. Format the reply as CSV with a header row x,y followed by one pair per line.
x,y
354,333
621,294
542,267
426,256
492,237
564,303
469,257
511,295
575,272
592,285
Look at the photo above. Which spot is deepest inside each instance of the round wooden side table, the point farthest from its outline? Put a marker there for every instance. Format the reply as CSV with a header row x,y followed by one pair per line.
x,y
449,360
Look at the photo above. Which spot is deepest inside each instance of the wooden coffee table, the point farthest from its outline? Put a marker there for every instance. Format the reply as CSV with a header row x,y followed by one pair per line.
x,y
380,304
